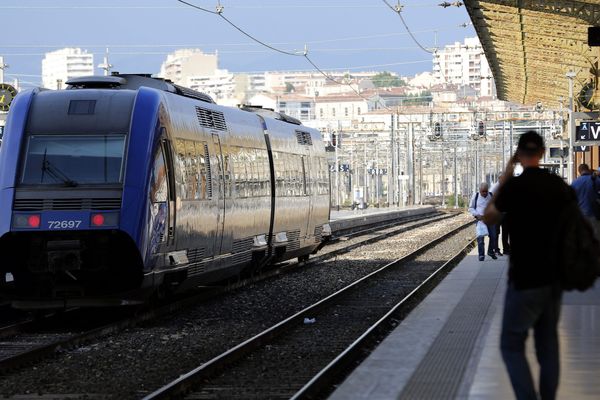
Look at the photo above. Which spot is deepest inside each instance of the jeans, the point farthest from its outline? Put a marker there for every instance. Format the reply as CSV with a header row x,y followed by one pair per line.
x,y
539,309
492,245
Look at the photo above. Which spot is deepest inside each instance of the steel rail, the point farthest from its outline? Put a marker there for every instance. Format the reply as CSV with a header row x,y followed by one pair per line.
x,y
327,375
401,229
48,349
187,381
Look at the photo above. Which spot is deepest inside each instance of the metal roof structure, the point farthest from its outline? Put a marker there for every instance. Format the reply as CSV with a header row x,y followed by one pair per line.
x,y
531,45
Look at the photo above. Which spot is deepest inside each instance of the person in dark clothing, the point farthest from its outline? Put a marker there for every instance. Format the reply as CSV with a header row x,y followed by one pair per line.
x,y
501,228
586,189
533,296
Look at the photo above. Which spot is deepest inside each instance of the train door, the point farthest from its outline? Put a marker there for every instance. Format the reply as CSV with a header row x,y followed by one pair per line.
x,y
221,188
306,184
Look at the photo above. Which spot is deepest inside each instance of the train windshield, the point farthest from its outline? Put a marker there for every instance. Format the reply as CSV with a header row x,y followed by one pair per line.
x,y
73,160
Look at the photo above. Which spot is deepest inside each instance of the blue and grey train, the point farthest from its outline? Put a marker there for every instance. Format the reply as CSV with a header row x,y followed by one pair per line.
x,y
123,186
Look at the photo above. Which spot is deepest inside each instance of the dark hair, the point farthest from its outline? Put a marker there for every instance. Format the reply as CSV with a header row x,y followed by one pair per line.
x,y
583,168
530,143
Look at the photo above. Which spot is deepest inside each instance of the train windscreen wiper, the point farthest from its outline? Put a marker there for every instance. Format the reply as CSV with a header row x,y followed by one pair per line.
x,y
55,173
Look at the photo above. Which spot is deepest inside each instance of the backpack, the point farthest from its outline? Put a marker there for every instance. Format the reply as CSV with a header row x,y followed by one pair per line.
x,y
578,257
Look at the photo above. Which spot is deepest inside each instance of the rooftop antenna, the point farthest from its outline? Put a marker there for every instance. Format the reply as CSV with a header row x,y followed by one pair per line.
x,y
106,66
3,66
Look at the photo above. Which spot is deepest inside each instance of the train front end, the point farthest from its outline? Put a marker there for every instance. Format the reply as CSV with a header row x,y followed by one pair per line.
x,y
63,163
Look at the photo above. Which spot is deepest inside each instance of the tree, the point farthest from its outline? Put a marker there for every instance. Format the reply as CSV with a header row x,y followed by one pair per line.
x,y
289,88
386,79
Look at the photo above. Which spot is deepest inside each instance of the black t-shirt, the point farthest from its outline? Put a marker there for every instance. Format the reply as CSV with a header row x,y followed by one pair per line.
x,y
531,202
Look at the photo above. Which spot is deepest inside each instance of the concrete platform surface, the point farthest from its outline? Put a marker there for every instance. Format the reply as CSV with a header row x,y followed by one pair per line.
x,y
448,347
346,219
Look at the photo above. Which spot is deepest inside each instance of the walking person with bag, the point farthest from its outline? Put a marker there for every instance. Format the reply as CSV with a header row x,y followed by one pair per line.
x,y
477,206
531,203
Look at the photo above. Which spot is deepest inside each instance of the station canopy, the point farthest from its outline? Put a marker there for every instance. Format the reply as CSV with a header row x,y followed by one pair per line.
x,y
531,45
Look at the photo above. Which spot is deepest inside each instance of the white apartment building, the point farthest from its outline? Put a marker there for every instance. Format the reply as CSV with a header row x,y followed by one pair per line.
x,y
464,64
181,65
294,105
61,65
224,87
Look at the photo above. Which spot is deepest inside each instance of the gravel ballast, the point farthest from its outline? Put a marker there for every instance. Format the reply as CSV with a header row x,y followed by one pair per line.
x,y
134,362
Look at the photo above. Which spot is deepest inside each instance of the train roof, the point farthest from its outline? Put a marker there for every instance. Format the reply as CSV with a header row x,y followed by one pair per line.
x,y
134,82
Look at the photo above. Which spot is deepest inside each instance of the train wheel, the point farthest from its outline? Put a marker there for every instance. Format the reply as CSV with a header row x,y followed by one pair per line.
x,y
304,258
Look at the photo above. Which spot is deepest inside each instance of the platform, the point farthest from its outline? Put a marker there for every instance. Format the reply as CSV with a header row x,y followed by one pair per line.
x,y
448,347
347,219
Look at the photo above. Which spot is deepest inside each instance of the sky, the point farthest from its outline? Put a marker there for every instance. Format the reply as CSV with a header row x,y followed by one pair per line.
x,y
352,35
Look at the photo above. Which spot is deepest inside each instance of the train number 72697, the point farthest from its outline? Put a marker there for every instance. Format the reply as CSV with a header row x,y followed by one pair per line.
x,y
70,224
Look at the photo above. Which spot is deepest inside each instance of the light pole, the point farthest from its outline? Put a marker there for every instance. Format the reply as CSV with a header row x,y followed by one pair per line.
x,y
571,75
455,177
337,173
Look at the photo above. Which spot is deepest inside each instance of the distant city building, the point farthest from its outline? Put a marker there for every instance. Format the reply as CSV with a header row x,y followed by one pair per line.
x,y
464,64
224,87
185,64
422,80
61,65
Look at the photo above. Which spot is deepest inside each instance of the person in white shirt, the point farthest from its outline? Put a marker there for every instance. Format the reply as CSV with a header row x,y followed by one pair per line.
x,y
477,206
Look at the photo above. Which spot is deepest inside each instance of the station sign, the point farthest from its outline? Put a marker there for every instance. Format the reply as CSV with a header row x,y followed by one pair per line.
x,y
377,171
342,167
588,131
581,149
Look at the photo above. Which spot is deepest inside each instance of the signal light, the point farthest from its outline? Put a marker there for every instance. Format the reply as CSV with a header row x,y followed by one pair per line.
x,y
97,219
34,221
437,130
481,129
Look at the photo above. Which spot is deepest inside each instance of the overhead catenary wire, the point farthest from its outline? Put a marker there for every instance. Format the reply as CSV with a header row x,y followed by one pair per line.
x,y
304,54
398,10
154,7
219,12
187,45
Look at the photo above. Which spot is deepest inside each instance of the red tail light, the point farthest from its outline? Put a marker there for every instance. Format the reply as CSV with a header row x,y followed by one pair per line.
x,y
34,221
97,219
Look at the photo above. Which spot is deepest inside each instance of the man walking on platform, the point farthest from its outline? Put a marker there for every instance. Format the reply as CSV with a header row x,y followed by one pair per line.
x,y
533,295
501,228
586,189
477,206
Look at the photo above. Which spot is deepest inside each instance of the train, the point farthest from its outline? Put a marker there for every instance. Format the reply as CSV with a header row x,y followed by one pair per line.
x,y
127,186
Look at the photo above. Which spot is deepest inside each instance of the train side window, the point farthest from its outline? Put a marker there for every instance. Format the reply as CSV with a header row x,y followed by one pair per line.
x,y
304,191
202,170
158,180
251,173
239,171
191,171
180,176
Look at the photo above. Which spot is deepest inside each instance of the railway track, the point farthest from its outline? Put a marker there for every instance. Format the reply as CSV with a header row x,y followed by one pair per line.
x,y
301,355
24,342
